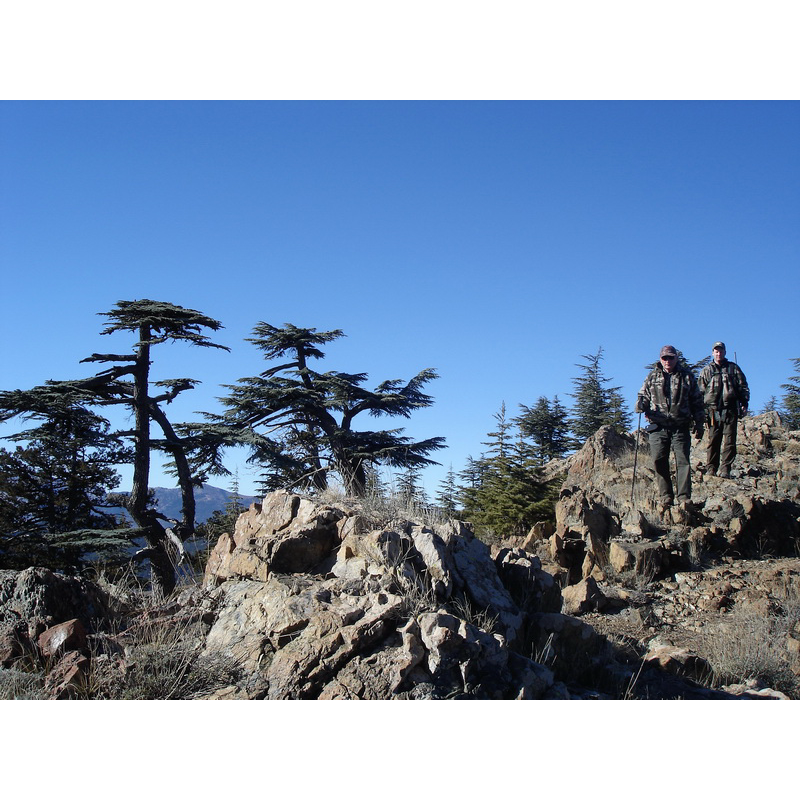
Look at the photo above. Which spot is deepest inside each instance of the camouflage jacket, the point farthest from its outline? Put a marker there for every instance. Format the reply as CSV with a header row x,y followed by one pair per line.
x,y
681,407
724,387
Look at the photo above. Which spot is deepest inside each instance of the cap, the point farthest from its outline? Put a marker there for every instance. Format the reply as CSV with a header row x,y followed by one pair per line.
x,y
668,350
718,346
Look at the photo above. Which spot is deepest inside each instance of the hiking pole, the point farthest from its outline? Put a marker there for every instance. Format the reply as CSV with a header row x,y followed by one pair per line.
x,y
635,456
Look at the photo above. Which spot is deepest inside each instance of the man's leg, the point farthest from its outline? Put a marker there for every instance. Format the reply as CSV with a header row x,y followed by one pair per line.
x,y
681,445
728,450
713,448
659,450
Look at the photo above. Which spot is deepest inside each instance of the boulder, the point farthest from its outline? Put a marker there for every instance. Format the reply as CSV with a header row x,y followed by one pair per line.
x,y
70,635
644,559
582,597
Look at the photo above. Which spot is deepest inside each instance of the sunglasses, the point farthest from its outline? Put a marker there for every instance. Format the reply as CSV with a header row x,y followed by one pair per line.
x,y
668,358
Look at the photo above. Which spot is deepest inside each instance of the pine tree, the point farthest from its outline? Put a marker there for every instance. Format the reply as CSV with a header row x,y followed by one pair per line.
x,y
595,403
299,423
447,496
548,425
509,495
128,383
770,405
791,400
53,508
409,488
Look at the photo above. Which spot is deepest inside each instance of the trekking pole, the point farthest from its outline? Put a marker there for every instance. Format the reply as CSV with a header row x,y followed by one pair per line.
x,y
635,457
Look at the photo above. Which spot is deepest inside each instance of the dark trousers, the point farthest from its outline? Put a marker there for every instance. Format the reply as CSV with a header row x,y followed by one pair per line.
x,y
680,442
721,448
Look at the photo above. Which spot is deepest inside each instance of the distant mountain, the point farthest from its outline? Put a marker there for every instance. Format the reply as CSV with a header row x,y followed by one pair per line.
x,y
207,498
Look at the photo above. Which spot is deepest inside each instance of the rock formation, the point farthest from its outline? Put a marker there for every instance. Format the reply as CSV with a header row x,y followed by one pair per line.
x,y
327,600
314,601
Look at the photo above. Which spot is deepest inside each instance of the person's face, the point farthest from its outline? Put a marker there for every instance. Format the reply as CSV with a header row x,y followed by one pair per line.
x,y
669,363
719,354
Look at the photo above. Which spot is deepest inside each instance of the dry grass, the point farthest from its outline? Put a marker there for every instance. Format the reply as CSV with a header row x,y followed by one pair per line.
x,y
751,647
148,651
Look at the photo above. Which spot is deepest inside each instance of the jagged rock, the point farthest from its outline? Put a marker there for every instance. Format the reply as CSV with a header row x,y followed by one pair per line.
x,y
35,599
69,635
48,598
538,533
286,533
582,597
642,558
532,588
406,611
68,676
11,648
679,661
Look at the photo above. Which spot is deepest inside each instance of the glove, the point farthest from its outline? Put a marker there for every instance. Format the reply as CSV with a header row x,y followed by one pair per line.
x,y
698,430
642,405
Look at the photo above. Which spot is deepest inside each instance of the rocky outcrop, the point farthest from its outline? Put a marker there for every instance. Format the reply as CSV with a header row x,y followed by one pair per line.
x,y
313,601
720,572
607,516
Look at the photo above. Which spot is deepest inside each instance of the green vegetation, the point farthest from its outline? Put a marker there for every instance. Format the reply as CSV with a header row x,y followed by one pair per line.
x,y
791,400
299,423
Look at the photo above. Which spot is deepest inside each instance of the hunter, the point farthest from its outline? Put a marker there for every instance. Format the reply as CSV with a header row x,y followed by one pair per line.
x,y
673,404
726,396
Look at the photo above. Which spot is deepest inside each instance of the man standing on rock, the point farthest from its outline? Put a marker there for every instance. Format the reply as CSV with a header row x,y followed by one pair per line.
x,y
726,396
672,402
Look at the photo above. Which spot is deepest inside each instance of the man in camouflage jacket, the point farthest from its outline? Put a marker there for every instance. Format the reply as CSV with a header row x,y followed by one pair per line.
x,y
672,402
726,396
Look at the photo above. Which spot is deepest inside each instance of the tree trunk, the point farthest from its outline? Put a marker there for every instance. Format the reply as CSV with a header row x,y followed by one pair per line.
x,y
178,453
162,571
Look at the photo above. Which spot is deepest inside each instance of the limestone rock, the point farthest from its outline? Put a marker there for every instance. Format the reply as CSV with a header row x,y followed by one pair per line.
x,y
642,558
582,597
69,635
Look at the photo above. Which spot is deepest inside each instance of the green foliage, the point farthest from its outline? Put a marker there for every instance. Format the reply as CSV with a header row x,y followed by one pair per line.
x,y
595,403
506,495
53,491
127,382
298,423
448,494
548,425
791,400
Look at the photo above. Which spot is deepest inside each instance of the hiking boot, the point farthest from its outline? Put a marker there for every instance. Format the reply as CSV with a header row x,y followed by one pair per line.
x,y
664,505
724,472
712,471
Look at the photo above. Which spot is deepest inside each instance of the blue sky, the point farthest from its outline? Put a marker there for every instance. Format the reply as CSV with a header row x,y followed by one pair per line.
x,y
496,242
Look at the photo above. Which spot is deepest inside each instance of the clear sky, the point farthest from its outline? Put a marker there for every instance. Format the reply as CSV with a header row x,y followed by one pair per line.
x,y
496,242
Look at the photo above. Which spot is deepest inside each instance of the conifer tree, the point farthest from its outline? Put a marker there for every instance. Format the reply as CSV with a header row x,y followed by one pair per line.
x,y
128,383
510,494
770,405
595,403
408,486
791,400
57,485
299,423
447,496
548,425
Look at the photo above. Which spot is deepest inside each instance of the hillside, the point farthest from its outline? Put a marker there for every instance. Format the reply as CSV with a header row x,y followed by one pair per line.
x,y
328,598
207,498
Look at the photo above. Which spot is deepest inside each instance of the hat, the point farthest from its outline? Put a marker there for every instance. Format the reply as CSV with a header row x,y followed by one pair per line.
x,y
668,350
718,346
